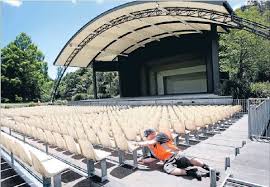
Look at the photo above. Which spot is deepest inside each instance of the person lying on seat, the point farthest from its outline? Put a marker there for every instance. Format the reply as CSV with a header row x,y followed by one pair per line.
x,y
175,162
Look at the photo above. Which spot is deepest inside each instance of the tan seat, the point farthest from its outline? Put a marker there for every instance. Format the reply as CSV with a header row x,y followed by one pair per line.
x,y
81,133
63,128
49,137
90,153
92,137
41,135
104,139
60,142
164,125
178,126
72,132
47,167
9,142
72,146
23,153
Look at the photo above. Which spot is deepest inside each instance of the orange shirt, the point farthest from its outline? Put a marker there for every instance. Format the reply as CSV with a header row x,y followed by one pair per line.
x,y
163,150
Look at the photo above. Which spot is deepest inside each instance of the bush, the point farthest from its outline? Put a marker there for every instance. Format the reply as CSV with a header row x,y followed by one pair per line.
x,y
260,89
79,96
18,99
60,102
4,100
235,88
32,104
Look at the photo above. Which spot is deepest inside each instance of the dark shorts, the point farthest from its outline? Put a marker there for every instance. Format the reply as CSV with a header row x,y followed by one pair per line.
x,y
177,161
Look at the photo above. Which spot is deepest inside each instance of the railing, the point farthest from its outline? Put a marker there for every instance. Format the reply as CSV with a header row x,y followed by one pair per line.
x,y
258,118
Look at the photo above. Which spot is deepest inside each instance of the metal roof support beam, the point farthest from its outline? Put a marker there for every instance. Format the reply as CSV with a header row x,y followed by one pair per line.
x,y
181,20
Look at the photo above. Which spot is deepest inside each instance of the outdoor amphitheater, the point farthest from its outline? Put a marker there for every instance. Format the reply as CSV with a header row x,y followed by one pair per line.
x,y
163,86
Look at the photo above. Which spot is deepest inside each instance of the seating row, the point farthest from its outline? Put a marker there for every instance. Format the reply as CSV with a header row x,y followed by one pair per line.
x,y
46,166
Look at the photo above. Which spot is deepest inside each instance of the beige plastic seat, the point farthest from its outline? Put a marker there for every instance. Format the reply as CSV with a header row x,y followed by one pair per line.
x,y
123,144
130,133
92,137
22,129
34,132
47,167
3,140
178,126
49,137
63,128
81,133
56,128
60,142
104,139
9,143
164,125
72,132
90,153
23,153
41,135
72,146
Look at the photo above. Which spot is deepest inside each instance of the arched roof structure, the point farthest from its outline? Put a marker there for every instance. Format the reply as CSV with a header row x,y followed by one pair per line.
x,y
123,29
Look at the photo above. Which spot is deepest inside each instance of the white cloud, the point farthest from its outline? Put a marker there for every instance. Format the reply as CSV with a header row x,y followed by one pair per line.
x,y
15,3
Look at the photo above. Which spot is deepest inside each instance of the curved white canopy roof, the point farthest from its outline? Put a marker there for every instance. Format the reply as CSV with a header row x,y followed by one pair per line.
x,y
128,27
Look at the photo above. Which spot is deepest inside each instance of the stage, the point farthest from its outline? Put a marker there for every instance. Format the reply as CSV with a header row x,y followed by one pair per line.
x,y
183,99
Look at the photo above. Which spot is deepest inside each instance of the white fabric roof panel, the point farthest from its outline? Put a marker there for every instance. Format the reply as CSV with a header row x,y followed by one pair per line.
x,y
114,39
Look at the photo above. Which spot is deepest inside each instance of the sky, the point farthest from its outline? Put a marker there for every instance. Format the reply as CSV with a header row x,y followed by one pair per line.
x,y
51,23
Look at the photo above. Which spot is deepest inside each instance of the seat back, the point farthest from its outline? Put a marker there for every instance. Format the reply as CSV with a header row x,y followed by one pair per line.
x,y
60,142
87,149
37,165
72,145
49,137
104,139
91,136
23,153
80,132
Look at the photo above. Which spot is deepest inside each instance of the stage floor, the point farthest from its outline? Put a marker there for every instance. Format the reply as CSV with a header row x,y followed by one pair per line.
x,y
166,99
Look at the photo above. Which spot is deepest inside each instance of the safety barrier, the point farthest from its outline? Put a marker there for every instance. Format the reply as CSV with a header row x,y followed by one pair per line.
x,y
258,118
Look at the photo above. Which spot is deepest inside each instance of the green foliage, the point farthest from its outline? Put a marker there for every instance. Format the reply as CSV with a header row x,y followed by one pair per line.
x,y
24,74
78,85
260,89
79,96
60,102
245,56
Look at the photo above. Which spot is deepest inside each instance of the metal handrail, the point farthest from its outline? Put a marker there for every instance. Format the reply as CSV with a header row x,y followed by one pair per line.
x,y
259,116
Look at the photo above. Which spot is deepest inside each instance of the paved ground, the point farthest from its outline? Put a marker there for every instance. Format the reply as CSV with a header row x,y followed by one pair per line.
x,y
253,164
9,177
212,150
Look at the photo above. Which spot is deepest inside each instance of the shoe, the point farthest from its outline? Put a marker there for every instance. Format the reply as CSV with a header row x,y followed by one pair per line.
x,y
208,174
194,173
206,167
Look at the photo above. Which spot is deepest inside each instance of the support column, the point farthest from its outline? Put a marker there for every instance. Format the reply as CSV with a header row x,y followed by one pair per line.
x,y
94,82
103,170
135,159
57,180
121,157
90,167
215,59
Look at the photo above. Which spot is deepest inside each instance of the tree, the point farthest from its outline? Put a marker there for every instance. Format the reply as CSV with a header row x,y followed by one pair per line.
x,y
244,55
78,85
24,73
